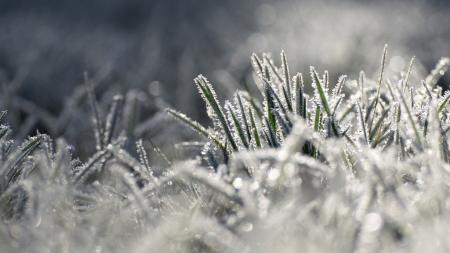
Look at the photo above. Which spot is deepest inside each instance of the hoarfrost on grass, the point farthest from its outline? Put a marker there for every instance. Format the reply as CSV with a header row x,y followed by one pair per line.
x,y
353,166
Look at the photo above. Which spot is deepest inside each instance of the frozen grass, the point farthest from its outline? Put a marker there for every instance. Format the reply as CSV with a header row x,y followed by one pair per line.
x,y
359,166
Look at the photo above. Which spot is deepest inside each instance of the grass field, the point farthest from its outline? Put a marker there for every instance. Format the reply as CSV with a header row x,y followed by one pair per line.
x,y
294,162
224,126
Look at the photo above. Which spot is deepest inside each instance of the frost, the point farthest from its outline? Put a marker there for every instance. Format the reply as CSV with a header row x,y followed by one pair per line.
x,y
237,183
363,168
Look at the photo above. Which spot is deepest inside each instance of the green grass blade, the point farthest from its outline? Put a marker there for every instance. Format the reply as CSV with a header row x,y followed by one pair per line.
x,y
96,119
271,92
287,82
112,118
299,97
408,73
363,123
143,157
339,86
268,106
380,82
287,76
378,124
317,119
444,102
11,167
284,124
254,129
159,152
320,90
242,112
257,64
362,83
326,80
287,98
410,117
196,126
237,124
210,98
272,135
336,106
274,69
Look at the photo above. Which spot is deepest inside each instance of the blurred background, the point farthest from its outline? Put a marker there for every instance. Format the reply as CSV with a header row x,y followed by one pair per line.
x,y
155,48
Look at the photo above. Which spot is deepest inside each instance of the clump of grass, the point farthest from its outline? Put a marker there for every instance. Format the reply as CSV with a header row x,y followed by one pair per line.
x,y
342,138
323,110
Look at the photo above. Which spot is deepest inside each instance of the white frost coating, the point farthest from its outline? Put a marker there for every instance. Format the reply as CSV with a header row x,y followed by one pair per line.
x,y
299,189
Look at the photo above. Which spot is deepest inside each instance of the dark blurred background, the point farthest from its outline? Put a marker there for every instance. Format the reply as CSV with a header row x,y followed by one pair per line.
x,y
159,46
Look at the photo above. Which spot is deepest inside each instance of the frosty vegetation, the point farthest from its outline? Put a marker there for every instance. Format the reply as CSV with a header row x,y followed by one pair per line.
x,y
307,164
